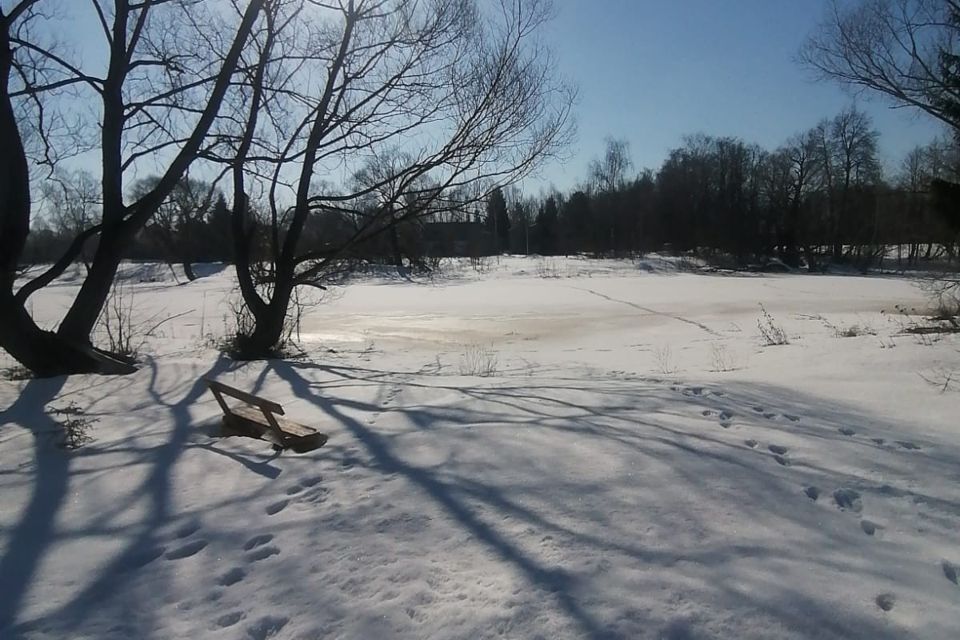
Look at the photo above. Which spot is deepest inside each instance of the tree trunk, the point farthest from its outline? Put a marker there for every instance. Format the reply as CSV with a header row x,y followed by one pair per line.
x,y
46,353
265,339
395,248
82,316
188,270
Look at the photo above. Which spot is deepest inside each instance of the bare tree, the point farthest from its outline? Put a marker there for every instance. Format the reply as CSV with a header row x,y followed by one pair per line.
x,y
179,221
609,173
72,203
903,49
168,66
446,99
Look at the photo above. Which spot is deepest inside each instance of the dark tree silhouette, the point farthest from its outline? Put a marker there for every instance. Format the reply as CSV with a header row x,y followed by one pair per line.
x,y
158,95
498,220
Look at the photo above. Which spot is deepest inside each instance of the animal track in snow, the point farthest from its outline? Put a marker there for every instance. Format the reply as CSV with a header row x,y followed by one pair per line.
x,y
791,418
904,444
886,601
950,571
232,577
812,492
307,491
753,444
777,449
186,530
262,553
781,460
276,507
266,627
878,441
848,499
723,417
229,619
846,431
187,550
145,557
257,541
869,527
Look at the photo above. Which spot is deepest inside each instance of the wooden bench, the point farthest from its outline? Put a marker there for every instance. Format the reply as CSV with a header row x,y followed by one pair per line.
x,y
260,418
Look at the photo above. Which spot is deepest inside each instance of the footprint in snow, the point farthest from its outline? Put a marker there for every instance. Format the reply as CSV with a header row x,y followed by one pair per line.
x,y
229,619
777,449
187,550
232,577
186,530
145,557
781,460
812,492
846,431
869,527
909,446
257,541
791,418
276,507
950,571
723,417
878,441
753,444
262,553
306,483
693,391
759,409
848,500
886,601
266,627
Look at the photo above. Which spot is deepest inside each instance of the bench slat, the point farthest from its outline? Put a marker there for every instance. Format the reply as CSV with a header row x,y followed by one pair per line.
x,y
243,396
289,427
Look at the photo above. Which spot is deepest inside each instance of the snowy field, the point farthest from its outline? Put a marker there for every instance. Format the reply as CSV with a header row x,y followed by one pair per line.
x,y
541,448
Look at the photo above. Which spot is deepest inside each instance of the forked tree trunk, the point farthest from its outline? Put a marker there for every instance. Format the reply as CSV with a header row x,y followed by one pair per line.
x,y
46,353
265,339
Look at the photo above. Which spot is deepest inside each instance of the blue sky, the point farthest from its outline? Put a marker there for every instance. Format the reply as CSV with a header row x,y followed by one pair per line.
x,y
651,71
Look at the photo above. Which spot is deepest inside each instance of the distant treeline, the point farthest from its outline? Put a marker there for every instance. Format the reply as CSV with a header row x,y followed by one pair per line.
x,y
821,197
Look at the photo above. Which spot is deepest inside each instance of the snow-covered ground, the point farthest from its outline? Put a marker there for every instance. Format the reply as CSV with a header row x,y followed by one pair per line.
x,y
635,464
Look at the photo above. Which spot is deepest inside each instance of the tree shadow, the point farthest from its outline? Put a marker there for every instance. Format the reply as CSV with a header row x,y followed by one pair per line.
x,y
36,532
733,472
36,529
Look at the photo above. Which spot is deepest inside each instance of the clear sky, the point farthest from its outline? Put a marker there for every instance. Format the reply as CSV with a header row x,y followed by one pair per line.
x,y
651,71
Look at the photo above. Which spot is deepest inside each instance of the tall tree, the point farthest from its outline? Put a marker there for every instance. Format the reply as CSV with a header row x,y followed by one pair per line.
x,y
498,219
464,88
905,50
166,69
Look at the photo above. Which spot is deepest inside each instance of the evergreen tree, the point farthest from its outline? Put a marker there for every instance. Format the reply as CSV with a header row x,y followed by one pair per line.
x,y
546,225
498,219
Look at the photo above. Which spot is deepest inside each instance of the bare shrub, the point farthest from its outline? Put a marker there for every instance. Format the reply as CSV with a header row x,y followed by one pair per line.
x,y
925,331
548,268
721,359
663,357
481,264
854,330
478,360
125,336
76,426
770,331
